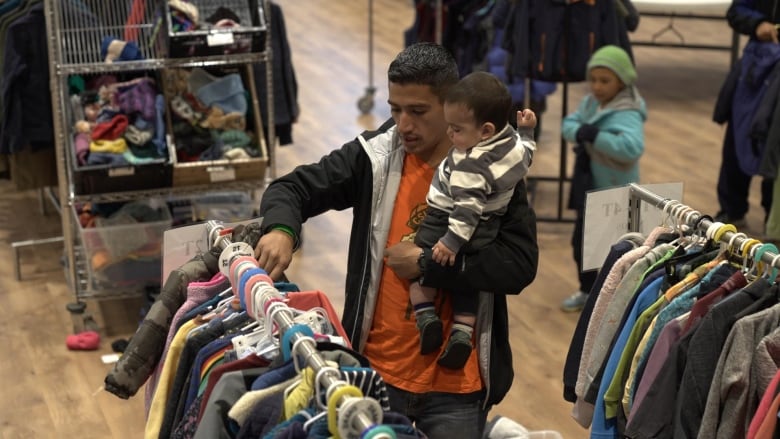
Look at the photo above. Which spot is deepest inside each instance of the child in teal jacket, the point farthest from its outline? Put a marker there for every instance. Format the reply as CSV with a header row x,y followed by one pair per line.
x,y
608,130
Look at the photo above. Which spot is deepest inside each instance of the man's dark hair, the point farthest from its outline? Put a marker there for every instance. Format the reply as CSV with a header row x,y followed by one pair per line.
x,y
426,64
486,96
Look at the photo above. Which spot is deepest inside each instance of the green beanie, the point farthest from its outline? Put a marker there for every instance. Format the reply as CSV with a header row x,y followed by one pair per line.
x,y
615,59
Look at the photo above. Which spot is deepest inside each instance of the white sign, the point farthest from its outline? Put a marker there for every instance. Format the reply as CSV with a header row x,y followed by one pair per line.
x,y
607,219
183,243
219,38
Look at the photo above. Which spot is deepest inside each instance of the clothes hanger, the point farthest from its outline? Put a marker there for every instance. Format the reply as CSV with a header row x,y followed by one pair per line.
x,y
748,249
760,268
669,28
773,269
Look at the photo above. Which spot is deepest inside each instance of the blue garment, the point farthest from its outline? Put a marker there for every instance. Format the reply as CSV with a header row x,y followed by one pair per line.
x,y
677,307
159,126
8,6
651,276
603,427
497,58
441,415
275,376
205,352
757,66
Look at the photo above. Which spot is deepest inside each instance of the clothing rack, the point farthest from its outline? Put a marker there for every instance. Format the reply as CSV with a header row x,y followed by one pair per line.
x,y
350,415
696,221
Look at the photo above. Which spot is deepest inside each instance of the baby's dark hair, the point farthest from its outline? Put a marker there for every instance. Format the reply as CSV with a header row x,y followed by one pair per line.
x,y
486,96
425,64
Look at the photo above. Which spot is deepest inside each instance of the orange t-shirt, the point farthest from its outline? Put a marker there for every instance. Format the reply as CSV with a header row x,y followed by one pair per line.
x,y
393,345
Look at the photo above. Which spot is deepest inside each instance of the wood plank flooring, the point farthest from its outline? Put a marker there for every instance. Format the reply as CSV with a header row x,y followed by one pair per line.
x,y
52,392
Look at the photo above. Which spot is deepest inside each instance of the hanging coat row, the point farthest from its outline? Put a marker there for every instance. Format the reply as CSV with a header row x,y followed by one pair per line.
x,y
677,336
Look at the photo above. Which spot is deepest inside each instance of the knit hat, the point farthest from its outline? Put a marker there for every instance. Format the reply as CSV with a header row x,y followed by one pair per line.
x,y
615,59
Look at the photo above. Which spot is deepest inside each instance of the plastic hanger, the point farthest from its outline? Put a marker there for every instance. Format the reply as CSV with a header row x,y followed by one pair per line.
x,y
773,270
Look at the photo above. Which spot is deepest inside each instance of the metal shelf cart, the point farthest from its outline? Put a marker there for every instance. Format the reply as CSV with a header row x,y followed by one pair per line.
x,y
75,30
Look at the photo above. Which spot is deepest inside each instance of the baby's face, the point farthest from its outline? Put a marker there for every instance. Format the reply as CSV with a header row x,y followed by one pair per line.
x,y
461,126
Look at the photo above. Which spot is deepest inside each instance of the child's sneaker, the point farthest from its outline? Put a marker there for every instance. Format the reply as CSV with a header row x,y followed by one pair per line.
x,y
575,302
430,327
457,351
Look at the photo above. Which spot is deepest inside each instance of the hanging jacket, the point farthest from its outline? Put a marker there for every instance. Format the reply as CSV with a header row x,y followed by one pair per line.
x,y
27,115
285,84
498,62
614,153
146,346
757,73
741,89
553,40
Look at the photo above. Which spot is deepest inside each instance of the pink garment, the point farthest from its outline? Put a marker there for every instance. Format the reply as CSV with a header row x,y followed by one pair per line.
x,y
81,146
197,293
605,295
763,407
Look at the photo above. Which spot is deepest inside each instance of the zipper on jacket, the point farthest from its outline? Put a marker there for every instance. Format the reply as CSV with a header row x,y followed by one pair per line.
x,y
542,44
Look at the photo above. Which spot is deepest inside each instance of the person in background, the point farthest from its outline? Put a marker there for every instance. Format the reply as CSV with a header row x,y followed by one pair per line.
x,y
608,131
383,176
756,19
470,190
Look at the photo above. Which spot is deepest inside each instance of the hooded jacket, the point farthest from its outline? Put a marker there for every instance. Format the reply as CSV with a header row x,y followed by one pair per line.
x,y
614,154
364,175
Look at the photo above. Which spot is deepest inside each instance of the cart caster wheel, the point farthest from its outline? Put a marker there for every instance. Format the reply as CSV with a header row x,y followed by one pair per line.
x,y
76,307
366,103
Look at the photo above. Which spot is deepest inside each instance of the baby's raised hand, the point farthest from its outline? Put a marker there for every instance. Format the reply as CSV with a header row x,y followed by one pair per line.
x,y
526,119
442,254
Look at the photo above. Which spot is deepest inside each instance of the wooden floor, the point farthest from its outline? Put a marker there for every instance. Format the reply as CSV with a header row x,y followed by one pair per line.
x,y
49,391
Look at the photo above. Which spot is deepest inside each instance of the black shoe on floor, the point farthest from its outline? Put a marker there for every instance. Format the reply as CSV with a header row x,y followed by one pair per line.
x,y
457,351
431,328
739,223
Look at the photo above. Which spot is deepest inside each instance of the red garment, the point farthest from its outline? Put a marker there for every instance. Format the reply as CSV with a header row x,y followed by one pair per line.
x,y
763,407
767,428
111,130
134,20
304,300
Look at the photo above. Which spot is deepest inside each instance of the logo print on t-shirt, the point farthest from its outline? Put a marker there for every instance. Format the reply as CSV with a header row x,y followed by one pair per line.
x,y
415,219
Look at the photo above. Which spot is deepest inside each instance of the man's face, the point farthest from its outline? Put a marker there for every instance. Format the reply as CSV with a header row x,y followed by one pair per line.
x,y
419,116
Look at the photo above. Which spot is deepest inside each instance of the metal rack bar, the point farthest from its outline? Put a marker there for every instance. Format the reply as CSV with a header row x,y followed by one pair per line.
x,y
733,48
695,219
302,344
51,11
43,194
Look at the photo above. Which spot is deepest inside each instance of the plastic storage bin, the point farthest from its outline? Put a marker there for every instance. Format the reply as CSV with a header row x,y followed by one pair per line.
x,y
209,28
227,207
195,122
121,174
123,252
